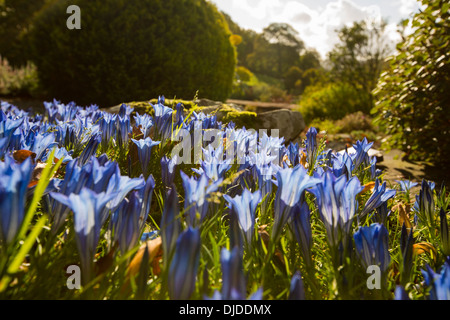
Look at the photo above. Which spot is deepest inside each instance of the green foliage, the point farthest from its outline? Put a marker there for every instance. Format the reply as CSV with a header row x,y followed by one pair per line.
x,y
15,21
134,50
244,74
17,81
331,101
355,121
413,96
358,59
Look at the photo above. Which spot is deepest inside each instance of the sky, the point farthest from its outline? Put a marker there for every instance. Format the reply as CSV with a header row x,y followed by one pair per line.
x,y
317,20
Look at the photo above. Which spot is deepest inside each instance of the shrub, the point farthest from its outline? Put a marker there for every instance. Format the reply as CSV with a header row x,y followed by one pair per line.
x,y
244,74
413,96
17,81
134,50
355,121
331,101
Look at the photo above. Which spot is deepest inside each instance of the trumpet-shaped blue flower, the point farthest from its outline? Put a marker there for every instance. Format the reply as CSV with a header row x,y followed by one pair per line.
x,y
184,265
294,154
400,293
311,145
123,131
144,152
233,279
424,205
371,245
170,224
300,225
14,179
361,156
168,170
291,185
125,222
379,196
406,185
87,207
243,208
108,128
297,289
125,110
144,123
145,196
162,120
337,204
438,282
196,197
90,149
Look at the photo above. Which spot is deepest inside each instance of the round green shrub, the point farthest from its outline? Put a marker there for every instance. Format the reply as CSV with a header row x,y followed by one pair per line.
x,y
332,101
132,50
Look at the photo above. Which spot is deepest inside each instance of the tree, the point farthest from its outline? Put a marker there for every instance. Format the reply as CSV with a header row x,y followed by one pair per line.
x,y
15,22
275,50
285,39
134,50
413,97
359,57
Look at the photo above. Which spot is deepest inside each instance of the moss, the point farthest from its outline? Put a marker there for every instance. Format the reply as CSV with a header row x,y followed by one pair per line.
x,y
242,118
225,113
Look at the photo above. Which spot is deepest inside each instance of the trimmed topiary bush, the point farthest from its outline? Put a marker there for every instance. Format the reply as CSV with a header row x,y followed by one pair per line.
x,y
134,50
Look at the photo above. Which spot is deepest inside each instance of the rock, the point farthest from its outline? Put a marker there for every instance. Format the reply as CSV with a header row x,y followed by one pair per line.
x,y
289,123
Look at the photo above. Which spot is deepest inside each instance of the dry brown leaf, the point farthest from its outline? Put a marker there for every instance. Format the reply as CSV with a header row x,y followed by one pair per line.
x,y
425,247
403,216
368,187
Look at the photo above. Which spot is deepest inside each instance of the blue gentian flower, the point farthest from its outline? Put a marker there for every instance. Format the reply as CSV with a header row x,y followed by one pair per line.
x,y
196,193
406,248
297,289
123,131
300,224
438,282
125,222
184,265
145,197
108,128
371,245
41,144
337,204
168,170
233,279
14,179
400,293
144,123
361,157
424,205
90,149
294,154
292,182
243,208
379,196
311,146
125,110
170,224
406,185
87,207
144,152
162,120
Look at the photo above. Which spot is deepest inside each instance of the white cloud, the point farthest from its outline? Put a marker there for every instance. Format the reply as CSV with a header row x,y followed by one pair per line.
x,y
316,25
